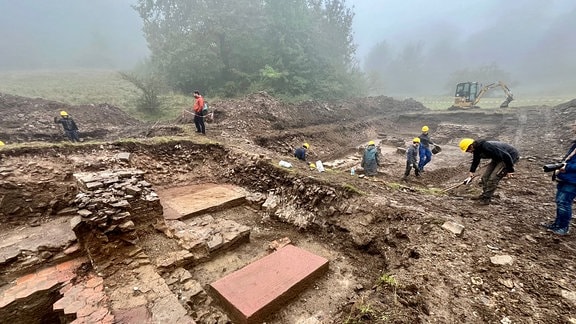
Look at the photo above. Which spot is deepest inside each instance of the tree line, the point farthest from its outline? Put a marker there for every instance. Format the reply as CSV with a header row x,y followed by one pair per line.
x,y
296,49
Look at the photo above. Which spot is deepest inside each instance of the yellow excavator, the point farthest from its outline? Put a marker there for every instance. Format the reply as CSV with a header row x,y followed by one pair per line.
x,y
468,94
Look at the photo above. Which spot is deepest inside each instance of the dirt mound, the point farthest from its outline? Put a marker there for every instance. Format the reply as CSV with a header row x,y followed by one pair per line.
x,y
261,112
32,119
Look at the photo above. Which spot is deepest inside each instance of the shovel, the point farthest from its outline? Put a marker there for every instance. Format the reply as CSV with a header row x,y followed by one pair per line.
x,y
466,181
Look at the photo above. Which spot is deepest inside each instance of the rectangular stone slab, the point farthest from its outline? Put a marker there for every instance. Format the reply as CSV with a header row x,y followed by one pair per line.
x,y
189,201
252,293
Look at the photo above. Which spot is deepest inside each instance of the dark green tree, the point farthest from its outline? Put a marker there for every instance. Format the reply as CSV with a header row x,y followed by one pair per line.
x,y
288,47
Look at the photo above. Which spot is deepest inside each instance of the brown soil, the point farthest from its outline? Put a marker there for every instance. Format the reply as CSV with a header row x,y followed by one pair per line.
x,y
390,260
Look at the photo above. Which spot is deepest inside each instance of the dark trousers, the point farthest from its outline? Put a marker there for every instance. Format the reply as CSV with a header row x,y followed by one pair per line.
x,y
495,171
73,135
409,167
199,122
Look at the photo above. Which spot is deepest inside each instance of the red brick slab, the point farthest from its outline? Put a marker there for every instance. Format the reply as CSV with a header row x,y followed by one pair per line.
x,y
255,291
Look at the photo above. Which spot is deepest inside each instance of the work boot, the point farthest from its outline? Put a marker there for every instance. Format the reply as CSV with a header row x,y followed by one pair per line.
x,y
484,201
560,231
549,226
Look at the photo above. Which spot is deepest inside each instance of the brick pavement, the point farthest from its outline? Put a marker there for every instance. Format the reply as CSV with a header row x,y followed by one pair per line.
x,y
85,299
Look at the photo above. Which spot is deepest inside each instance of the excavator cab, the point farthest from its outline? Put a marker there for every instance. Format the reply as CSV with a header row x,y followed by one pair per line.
x,y
468,94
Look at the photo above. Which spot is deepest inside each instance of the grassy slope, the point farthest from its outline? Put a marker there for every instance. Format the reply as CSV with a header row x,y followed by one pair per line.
x,y
85,87
106,86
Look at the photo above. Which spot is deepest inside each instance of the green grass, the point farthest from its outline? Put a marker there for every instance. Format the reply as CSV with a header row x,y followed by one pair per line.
x,y
442,103
79,87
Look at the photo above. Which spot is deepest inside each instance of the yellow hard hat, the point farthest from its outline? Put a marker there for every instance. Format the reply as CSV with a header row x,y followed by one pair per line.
x,y
465,143
425,128
312,166
2,143
306,145
63,113
371,143
416,140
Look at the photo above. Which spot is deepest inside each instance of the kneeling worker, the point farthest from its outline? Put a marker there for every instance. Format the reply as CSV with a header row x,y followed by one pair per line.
x,y
370,160
503,156
300,153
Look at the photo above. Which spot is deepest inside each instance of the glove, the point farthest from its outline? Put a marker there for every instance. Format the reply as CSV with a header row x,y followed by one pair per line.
x,y
467,180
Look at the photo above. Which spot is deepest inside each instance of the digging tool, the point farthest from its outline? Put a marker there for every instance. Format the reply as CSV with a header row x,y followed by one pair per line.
x,y
466,182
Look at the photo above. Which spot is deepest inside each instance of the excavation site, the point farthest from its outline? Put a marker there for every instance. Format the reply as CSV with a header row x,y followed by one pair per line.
x,y
144,222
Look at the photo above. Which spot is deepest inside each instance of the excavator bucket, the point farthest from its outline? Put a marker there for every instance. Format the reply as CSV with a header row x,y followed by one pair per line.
x,y
506,102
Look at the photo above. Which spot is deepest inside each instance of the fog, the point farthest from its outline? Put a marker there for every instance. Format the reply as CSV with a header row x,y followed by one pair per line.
x,y
532,40
40,34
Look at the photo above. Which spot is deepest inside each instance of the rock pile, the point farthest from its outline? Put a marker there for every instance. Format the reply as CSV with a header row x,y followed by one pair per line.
x,y
112,207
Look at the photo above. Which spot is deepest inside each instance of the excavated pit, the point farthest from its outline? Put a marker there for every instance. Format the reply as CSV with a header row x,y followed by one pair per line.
x,y
211,224
395,249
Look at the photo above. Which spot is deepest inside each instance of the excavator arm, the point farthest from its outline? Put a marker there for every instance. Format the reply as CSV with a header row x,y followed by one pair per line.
x,y
507,92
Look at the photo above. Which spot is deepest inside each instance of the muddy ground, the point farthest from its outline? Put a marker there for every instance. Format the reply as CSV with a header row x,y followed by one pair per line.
x,y
390,259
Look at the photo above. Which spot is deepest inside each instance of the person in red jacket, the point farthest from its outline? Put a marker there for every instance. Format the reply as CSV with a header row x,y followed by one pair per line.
x,y
199,113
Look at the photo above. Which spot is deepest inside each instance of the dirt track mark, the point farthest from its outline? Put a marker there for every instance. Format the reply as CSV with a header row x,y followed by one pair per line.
x,y
522,118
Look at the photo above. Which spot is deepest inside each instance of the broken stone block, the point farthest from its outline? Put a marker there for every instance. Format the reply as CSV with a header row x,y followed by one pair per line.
x,y
94,185
271,202
133,190
127,226
120,216
190,289
454,228
75,222
121,204
501,260
123,156
569,295
181,275
278,244
84,213
215,242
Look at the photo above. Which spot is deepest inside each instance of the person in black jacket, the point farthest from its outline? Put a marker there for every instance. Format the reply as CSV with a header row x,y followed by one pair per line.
x,y
503,157
69,126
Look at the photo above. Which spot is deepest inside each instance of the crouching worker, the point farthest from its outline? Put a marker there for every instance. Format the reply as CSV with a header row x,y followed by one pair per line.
x,y
503,157
69,126
300,153
412,159
370,160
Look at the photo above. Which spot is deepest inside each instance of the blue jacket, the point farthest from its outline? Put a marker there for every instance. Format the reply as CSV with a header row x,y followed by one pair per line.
x,y
570,169
300,153
370,158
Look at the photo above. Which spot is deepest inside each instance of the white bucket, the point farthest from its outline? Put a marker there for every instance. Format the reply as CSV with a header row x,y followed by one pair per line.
x,y
285,164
